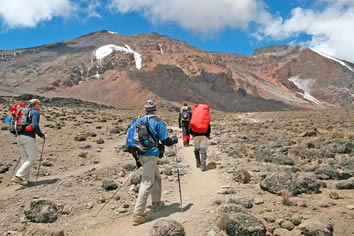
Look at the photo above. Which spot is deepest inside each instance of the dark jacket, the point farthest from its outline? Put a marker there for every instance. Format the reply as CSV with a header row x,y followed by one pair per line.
x,y
189,110
207,134
34,121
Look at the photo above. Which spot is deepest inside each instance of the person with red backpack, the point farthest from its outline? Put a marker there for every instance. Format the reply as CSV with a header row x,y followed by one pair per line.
x,y
200,130
26,140
184,118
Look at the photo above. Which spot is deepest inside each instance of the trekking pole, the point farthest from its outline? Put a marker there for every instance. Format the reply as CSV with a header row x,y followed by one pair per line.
x,y
179,180
18,161
116,191
40,159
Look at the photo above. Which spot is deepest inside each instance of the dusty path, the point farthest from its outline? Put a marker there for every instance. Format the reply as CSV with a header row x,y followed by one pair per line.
x,y
198,191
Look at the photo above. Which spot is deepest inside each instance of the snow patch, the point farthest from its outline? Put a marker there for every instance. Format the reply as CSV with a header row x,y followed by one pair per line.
x,y
97,75
332,58
104,51
161,49
306,86
112,32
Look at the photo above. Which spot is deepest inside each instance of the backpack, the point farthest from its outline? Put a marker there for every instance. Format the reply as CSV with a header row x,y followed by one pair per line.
x,y
185,115
20,115
200,119
139,138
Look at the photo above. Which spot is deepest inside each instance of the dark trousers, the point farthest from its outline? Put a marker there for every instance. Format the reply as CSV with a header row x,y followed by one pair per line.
x,y
186,134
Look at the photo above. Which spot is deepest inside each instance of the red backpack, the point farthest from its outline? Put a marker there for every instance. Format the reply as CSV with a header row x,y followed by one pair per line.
x,y
200,118
19,119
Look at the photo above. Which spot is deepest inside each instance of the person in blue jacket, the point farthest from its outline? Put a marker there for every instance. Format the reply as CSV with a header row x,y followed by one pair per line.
x,y
27,144
151,180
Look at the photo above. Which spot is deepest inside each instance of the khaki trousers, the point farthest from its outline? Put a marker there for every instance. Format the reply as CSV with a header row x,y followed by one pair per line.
x,y
150,184
200,142
28,153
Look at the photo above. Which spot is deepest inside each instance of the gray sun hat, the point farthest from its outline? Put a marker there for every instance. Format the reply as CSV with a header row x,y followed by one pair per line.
x,y
150,106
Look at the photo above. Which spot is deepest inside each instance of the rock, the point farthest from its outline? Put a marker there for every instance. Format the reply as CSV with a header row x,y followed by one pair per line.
x,y
88,205
167,227
42,211
231,208
122,210
115,130
308,185
281,232
168,171
241,176
129,167
239,224
47,163
316,226
66,210
135,179
287,225
83,154
279,181
346,184
90,134
296,220
85,146
334,195
258,201
243,202
4,169
327,170
211,233
43,232
350,207
80,138
109,185
309,133
269,219
100,141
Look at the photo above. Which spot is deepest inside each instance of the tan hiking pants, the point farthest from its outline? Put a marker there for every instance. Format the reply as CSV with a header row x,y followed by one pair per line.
x,y
28,153
200,142
150,184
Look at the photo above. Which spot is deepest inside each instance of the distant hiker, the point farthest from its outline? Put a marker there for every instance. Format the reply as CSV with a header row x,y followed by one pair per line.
x,y
200,130
27,143
184,118
150,130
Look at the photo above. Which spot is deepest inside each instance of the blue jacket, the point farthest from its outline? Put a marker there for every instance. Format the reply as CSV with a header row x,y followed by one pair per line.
x,y
159,132
34,121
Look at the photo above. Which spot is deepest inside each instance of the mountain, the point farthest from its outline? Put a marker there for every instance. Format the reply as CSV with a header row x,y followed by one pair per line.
x,y
119,70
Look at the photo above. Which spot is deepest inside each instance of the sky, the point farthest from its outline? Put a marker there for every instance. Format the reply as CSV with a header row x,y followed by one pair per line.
x,y
237,26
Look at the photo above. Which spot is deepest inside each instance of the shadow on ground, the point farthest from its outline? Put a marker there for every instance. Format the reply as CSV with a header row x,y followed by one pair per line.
x,y
38,183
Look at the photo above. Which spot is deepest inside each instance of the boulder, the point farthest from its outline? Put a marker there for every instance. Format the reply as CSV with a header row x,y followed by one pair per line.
x,y
167,227
241,176
43,232
240,224
109,185
279,181
346,184
327,170
316,227
42,211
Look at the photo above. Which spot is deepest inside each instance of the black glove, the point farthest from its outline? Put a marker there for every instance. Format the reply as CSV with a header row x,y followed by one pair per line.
x,y
174,139
137,162
161,148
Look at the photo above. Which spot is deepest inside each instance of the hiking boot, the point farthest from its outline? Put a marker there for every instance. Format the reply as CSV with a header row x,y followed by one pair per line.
x,y
18,180
157,206
197,158
186,144
203,168
139,219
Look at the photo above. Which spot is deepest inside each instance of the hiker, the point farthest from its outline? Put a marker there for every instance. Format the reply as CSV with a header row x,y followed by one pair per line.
x,y
185,115
27,144
200,130
151,180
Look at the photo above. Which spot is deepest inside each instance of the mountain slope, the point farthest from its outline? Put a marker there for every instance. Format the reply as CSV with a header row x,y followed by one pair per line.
x,y
133,68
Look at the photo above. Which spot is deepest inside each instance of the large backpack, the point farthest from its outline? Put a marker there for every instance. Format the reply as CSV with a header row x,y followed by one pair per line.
x,y
185,114
20,115
139,138
200,119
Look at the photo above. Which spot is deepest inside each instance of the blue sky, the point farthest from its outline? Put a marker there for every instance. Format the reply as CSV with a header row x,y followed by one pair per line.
x,y
223,25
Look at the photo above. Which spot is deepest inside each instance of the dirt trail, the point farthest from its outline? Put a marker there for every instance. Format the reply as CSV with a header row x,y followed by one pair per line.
x,y
198,189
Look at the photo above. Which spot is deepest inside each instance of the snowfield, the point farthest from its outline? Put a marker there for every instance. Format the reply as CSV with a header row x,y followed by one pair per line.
x,y
104,51
305,85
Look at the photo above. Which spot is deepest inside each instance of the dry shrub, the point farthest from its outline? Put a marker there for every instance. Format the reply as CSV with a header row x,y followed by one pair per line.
x,y
285,200
222,222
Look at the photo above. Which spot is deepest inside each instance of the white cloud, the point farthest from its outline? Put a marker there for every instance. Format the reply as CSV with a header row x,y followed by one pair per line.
x,y
92,8
28,13
331,27
201,16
